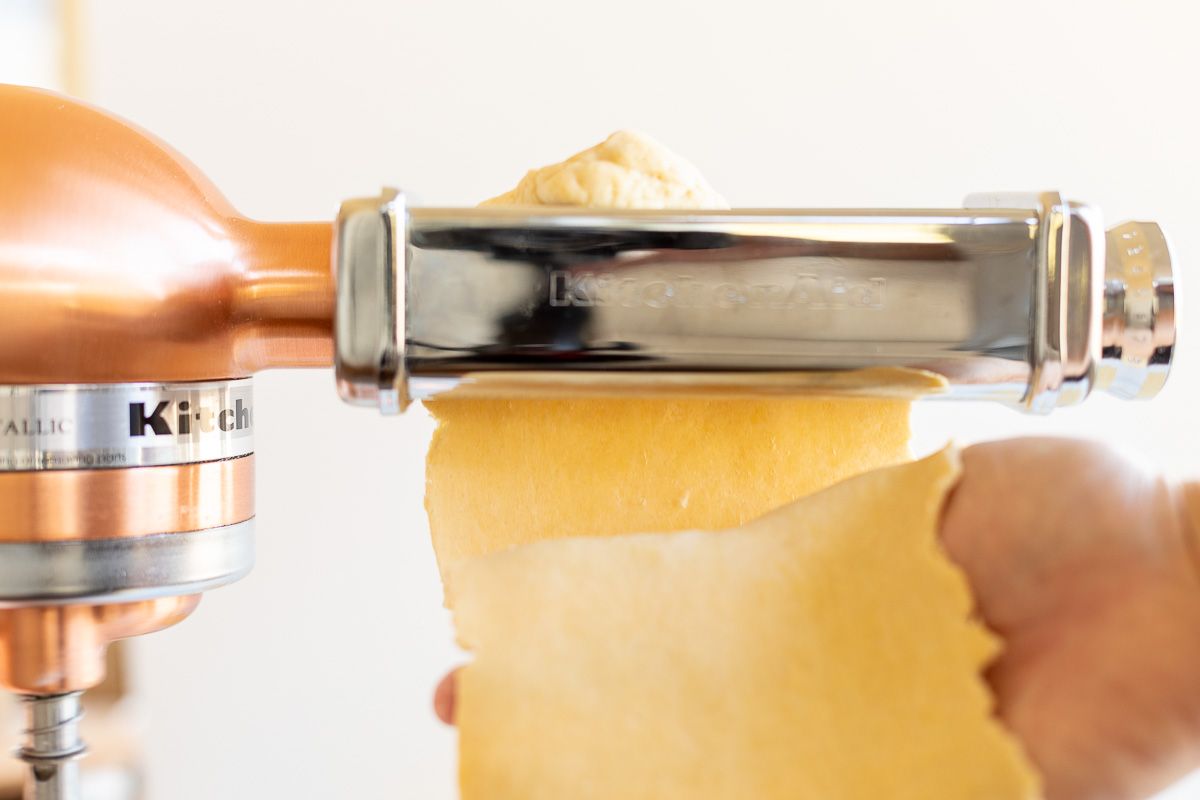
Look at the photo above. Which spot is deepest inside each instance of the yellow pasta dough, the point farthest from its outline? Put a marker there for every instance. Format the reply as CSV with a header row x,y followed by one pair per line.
x,y
506,472
823,652
626,170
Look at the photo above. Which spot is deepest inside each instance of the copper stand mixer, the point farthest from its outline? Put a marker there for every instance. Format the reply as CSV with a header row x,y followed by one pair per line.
x,y
135,304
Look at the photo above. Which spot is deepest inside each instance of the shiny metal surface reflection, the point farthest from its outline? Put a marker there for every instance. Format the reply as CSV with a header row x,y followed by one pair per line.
x,y
1004,299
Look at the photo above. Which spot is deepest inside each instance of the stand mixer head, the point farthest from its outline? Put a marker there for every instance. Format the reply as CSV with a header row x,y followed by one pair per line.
x,y
136,304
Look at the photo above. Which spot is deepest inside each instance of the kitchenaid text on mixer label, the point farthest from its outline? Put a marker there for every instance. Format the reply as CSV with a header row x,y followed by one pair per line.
x,y
801,290
187,418
95,426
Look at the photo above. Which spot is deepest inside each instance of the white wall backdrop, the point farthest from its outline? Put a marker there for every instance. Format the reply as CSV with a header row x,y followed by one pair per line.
x,y
311,678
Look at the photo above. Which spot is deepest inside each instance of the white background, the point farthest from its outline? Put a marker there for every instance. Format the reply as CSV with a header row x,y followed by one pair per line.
x,y
311,678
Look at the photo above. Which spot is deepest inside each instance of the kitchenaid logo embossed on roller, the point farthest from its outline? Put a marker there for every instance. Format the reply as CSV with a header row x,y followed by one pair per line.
x,y
185,419
802,290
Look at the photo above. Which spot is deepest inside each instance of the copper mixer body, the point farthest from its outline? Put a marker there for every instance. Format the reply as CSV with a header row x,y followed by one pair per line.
x,y
49,505
56,648
49,650
125,274
198,292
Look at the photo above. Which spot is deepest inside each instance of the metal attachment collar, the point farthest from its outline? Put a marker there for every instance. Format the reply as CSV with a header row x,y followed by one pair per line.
x,y
368,251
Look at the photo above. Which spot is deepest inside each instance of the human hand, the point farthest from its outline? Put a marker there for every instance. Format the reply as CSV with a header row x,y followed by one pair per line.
x,y
1083,563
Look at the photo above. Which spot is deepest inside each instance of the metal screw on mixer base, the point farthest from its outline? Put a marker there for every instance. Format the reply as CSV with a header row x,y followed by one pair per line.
x,y
52,746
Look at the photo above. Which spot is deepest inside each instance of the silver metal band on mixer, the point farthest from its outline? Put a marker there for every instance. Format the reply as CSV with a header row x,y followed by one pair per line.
x,y
125,569
99,426
1009,299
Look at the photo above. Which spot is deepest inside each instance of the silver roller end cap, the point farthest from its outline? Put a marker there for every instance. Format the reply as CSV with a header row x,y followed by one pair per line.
x,y
1138,338
368,257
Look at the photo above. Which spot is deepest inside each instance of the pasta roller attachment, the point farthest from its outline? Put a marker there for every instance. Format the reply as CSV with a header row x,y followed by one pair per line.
x,y
1023,299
